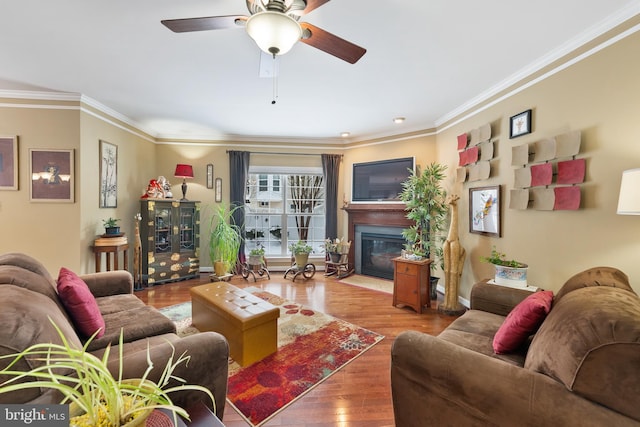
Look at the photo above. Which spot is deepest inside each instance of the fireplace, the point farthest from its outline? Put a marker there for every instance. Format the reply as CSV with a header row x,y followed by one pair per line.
x,y
385,222
375,249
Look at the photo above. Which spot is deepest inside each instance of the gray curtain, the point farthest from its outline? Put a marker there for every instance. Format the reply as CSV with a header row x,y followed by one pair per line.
x,y
238,175
331,171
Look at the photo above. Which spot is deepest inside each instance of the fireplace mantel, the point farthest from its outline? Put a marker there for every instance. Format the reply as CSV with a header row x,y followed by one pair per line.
x,y
383,214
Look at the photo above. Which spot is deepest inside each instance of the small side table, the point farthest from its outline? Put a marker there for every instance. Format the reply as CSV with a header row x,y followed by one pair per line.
x,y
411,283
114,249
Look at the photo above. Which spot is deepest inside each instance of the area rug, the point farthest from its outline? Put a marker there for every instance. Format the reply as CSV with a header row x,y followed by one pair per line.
x,y
312,346
369,282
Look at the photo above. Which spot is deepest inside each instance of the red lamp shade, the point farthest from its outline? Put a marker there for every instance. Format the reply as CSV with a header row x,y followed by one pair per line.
x,y
184,171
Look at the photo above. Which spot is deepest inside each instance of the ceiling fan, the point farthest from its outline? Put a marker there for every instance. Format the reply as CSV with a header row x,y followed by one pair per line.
x,y
274,26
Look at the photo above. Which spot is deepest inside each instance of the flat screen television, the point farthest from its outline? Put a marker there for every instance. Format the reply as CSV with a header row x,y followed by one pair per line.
x,y
380,181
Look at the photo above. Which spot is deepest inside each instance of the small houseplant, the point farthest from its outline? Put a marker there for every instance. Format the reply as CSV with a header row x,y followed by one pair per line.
x,y
508,272
111,226
335,248
224,240
256,256
95,396
301,251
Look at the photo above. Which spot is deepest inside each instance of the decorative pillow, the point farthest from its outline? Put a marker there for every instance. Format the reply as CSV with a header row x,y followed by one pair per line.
x,y
80,303
522,321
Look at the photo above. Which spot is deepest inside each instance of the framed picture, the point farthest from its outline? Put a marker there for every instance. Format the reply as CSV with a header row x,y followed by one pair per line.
x,y
520,124
8,162
52,175
108,175
209,175
484,210
218,189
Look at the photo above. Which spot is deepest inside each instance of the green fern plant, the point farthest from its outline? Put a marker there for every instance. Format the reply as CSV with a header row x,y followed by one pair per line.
x,y
225,237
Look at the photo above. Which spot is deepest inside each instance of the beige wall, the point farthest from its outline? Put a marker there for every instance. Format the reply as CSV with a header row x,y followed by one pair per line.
x,y
49,231
599,97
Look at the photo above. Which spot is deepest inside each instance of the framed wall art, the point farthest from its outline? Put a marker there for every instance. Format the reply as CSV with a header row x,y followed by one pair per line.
x,y
108,175
218,190
484,210
209,176
520,124
8,162
52,175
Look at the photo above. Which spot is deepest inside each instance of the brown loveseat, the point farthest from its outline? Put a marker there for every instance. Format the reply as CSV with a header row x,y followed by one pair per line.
x,y
29,298
581,368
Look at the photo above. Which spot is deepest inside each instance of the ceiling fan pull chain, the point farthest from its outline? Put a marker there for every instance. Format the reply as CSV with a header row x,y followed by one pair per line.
x,y
275,81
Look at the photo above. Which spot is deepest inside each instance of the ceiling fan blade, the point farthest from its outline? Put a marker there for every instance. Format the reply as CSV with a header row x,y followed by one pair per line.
x,y
314,4
332,44
204,24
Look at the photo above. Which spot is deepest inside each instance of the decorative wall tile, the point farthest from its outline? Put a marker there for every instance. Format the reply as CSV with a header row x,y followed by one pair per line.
x,y
479,171
520,155
519,199
567,198
468,156
486,151
568,144
485,133
571,172
543,199
462,141
522,178
544,150
461,174
541,174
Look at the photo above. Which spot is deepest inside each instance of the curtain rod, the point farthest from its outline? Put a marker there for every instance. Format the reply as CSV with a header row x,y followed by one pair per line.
x,y
284,154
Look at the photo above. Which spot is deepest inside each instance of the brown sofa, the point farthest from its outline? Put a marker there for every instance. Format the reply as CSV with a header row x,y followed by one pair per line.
x,y
29,298
581,368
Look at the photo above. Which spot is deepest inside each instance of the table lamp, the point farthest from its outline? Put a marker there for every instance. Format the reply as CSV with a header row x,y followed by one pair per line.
x,y
184,172
629,199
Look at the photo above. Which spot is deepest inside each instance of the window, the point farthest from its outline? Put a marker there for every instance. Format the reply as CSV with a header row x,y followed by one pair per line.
x,y
284,207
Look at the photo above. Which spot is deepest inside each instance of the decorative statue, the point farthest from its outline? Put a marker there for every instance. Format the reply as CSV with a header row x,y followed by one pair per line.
x,y
154,190
166,187
137,255
454,255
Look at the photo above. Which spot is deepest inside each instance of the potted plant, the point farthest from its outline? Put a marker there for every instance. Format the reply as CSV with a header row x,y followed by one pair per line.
x,y
95,396
335,248
111,226
508,272
224,240
256,256
300,251
425,204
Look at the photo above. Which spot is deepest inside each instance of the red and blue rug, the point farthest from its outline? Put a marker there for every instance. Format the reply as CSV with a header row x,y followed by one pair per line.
x,y
312,346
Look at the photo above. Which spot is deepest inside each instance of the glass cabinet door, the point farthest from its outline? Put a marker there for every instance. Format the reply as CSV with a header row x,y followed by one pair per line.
x,y
163,223
187,227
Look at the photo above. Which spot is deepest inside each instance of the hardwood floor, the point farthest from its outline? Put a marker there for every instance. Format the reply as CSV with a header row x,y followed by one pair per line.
x,y
358,394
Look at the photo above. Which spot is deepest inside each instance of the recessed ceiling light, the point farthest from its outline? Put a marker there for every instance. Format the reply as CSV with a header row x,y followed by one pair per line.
x,y
345,134
398,120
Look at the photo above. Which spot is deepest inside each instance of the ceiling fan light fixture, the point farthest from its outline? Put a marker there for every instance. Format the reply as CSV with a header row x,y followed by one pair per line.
x,y
274,32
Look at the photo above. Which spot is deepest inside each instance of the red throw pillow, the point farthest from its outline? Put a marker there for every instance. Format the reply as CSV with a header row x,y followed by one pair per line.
x,y
522,321
80,303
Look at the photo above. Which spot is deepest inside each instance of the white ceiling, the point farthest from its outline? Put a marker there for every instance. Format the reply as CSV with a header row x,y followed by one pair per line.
x,y
425,60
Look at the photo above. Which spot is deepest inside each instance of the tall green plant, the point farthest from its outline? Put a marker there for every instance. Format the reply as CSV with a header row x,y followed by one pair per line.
x,y
425,203
225,237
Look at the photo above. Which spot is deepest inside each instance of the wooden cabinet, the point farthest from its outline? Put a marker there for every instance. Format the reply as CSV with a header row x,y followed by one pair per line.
x,y
411,283
170,236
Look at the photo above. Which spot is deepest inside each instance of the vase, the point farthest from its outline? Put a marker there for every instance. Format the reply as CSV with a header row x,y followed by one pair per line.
x,y
334,256
220,268
511,276
255,260
301,259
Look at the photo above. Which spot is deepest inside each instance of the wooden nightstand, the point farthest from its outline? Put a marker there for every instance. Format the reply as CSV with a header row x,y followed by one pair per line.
x,y
411,283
